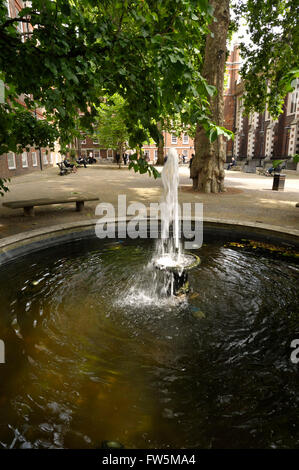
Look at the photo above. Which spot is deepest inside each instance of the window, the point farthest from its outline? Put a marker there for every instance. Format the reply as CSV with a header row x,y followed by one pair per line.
x,y
34,159
83,142
11,161
293,98
292,102
239,113
45,159
24,160
226,80
174,139
185,139
20,28
267,114
8,8
95,141
51,158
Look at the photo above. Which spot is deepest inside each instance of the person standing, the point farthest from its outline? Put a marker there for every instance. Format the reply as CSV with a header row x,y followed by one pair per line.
x,y
117,158
190,162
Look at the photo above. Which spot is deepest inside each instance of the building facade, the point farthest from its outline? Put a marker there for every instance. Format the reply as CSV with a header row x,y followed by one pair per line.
x,y
90,147
183,144
258,136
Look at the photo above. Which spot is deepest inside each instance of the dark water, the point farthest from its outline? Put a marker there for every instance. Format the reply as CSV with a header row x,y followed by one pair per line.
x,y
90,357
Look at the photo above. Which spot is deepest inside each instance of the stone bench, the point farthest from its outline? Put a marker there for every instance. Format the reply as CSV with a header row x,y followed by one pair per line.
x,y
29,204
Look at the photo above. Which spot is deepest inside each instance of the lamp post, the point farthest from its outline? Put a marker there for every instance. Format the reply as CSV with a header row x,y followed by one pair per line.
x,y
40,159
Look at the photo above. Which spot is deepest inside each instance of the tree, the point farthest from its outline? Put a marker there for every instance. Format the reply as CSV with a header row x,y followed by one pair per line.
x,y
207,169
272,57
110,124
77,51
271,64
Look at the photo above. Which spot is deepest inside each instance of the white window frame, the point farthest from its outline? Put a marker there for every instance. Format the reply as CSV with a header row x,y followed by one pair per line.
x,y
45,159
8,8
95,141
51,158
20,27
267,114
24,158
185,139
292,102
34,159
227,80
293,99
13,167
83,142
174,139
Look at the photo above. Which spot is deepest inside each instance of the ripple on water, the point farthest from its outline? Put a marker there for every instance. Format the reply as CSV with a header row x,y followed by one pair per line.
x,y
95,354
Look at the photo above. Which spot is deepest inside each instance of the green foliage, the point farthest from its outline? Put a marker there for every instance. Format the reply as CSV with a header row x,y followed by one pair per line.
x,y
3,187
271,60
146,51
214,132
276,163
296,158
139,164
110,123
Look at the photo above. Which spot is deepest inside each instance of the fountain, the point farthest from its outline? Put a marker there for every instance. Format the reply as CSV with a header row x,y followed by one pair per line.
x,y
96,357
169,257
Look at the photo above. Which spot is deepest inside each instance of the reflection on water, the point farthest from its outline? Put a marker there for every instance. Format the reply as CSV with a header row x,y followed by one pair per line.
x,y
91,356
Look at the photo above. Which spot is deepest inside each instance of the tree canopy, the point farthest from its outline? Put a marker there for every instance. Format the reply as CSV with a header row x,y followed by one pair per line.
x,y
76,51
110,124
271,57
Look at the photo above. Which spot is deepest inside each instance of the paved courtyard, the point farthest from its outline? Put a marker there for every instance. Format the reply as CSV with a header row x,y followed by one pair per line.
x,y
249,197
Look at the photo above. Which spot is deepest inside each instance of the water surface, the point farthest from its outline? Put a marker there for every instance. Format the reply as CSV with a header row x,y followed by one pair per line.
x,y
91,355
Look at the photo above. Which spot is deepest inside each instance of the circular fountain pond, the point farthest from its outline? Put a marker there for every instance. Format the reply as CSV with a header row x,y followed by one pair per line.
x,y
92,354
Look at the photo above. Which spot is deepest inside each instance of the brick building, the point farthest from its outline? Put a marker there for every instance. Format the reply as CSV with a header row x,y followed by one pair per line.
x,y
90,147
232,78
183,144
12,164
258,136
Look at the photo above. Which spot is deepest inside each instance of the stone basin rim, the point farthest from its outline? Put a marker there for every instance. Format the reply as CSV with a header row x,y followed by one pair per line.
x,y
23,243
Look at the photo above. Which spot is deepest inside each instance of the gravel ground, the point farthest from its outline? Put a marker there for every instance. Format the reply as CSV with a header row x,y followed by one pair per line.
x,y
249,197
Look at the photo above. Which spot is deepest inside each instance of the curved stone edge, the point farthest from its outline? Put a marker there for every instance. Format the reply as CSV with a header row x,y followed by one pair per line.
x,y
14,246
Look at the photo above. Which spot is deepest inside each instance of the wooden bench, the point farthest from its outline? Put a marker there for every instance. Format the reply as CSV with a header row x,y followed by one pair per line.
x,y
29,205
64,170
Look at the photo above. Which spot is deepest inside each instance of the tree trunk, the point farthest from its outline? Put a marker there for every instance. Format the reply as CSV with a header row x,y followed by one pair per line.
x,y
160,159
207,170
